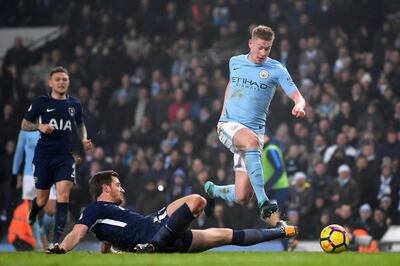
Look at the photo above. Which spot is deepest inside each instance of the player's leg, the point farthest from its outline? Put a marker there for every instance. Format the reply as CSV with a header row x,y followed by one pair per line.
x,y
194,202
241,192
249,144
28,193
181,214
42,195
63,189
64,176
42,185
215,237
48,217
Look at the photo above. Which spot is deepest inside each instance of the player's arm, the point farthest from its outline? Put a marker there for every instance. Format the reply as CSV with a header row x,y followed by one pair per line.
x,y
226,95
33,126
82,133
299,104
17,160
290,89
70,241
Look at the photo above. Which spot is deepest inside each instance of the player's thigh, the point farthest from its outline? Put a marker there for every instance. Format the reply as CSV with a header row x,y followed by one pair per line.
x,y
210,238
63,168
226,132
245,139
41,172
28,187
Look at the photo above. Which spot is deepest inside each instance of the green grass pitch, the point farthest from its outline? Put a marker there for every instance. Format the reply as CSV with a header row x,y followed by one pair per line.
x,y
203,259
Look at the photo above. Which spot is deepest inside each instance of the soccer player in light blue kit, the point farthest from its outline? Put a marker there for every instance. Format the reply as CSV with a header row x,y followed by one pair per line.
x,y
252,84
26,147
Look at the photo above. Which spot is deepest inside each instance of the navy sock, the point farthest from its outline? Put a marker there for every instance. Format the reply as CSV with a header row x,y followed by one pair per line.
x,y
175,227
60,220
249,237
34,211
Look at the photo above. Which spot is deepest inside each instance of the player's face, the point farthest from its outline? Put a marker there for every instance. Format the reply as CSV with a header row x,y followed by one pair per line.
x,y
259,50
117,192
59,83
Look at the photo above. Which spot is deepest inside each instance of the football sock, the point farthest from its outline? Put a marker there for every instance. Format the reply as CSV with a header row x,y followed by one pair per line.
x,y
34,212
174,228
47,219
36,234
60,220
254,170
226,192
249,237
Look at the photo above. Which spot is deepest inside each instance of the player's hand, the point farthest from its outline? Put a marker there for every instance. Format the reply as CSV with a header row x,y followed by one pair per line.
x,y
56,249
87,145
77,158
45,128
298,110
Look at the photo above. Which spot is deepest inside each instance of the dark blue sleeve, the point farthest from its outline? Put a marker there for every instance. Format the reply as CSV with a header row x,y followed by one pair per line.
x,y
89,215
276,162
35,110
79,113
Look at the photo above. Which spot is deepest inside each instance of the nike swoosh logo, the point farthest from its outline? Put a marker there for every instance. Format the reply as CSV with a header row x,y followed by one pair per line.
x,y
236,68
50,110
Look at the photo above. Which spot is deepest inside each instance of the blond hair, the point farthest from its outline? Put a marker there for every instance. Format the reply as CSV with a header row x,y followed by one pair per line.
x,y
263,32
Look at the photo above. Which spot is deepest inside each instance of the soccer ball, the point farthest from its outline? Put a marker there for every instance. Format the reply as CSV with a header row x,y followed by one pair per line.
x,y
334,239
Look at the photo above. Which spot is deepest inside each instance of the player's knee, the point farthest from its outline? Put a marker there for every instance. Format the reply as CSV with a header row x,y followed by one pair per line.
x,y
41,200
63,196
197,203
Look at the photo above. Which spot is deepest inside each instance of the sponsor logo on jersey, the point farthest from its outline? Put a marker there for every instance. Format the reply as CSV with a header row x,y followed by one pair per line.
x,y
248,83
263,74
61,124
71,111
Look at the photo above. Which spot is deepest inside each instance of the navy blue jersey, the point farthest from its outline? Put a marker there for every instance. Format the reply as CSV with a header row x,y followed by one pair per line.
x,y
123,228
60,114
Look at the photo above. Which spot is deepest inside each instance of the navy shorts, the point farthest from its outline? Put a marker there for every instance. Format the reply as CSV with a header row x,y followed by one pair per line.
x,y
50,169
180,244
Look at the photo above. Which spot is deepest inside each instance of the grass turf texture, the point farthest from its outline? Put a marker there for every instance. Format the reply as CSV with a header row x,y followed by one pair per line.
x,y
208,258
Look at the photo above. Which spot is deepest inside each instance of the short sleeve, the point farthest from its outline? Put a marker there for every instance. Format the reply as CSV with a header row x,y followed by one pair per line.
x,y
286,82
34,111
89,215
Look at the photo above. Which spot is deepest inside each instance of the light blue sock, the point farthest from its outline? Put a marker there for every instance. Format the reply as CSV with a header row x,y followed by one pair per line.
x,y
226,192
254,170
36,234
47,220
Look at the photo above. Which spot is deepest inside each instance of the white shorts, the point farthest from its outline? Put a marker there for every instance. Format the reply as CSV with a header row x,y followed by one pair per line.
x,y
226,131
29,190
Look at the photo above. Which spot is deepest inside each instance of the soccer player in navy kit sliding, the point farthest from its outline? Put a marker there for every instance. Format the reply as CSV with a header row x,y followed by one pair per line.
x,y
53,115
241,128
164,231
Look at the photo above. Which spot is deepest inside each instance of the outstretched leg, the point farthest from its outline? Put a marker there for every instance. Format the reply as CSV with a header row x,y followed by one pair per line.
x,y
215,237
182,212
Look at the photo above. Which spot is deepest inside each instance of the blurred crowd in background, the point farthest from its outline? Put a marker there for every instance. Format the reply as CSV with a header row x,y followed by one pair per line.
x,y
151,77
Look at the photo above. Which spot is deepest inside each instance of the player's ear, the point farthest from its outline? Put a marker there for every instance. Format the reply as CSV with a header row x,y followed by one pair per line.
x,y
250,43
105,188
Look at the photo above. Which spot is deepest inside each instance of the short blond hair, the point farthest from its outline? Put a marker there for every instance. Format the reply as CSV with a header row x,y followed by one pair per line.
x,y
263,32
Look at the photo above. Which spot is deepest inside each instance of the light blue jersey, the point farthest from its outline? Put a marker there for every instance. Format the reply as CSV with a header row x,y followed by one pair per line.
x,y
252,87
27,141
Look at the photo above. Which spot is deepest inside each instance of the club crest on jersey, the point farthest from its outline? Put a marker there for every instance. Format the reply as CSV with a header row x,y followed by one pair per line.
x,y
71,111
263,74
